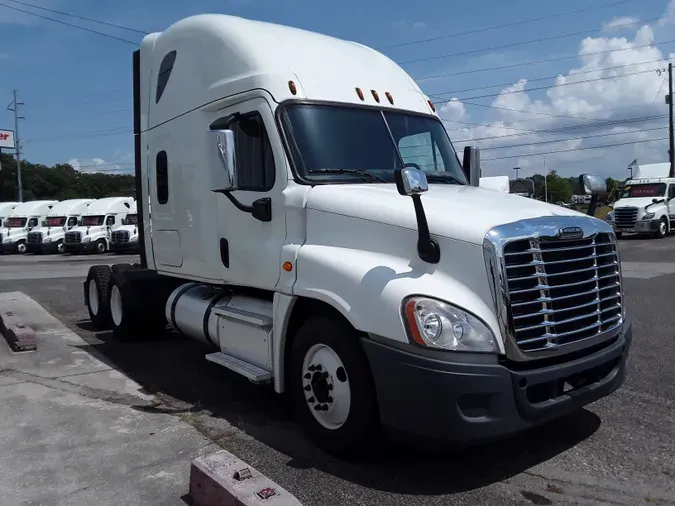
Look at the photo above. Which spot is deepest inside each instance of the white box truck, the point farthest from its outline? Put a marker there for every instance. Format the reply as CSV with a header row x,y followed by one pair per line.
x,y
48,238
97,223
125,238
24,218
646,205
295,234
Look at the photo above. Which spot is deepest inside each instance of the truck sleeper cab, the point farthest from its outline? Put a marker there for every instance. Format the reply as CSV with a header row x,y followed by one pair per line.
x,y
24,218
646,206
309,228
124,239
5,210
64,216
96,225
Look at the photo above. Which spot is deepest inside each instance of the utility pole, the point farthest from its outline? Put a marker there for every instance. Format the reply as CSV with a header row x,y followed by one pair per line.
x,y
545,180
14,107
669,101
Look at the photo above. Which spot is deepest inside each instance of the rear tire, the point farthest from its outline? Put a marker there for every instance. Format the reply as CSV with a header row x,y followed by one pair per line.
x,y
97,296
133,315
332,389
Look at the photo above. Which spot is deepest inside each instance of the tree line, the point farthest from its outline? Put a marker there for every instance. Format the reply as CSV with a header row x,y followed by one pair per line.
x,y
60,182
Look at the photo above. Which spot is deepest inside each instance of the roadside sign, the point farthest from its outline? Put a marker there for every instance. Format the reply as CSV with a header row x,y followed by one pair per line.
x,y
7,139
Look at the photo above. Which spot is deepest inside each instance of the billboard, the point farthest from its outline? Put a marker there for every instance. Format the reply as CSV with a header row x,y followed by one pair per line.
x,y
6,139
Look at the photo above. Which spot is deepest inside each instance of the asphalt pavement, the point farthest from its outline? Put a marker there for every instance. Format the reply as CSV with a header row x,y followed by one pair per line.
x,y
619,450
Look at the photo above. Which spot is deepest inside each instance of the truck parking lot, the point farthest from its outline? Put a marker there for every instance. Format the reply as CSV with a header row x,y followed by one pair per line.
x,y
619,451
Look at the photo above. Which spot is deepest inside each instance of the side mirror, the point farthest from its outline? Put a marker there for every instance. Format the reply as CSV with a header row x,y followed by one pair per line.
x,y
471,165
411,181
593,185
224,174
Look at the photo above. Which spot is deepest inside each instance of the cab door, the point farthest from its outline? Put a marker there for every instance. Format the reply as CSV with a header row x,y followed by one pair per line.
x,y
670,204
250,246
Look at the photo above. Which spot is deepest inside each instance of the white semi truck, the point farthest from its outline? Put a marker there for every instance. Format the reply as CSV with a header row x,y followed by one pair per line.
x,y
23,218
295,235
125,238
646,205
5,210
101,218
64,216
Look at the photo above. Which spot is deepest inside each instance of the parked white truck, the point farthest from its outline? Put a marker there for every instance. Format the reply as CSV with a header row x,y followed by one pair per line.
x,y
125,238
101,218
646,204
296,236
5,210
64,216
23,218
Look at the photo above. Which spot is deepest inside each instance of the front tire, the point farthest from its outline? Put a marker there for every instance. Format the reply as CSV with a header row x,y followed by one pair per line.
x,y
60,248
21,248
332,389
101,246
662,231
98,303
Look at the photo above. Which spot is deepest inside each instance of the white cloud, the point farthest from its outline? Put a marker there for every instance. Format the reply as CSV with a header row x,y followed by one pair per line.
x,y
618,23
98,165
611,88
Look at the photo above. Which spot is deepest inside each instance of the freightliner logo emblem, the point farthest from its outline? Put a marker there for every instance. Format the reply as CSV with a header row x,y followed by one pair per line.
x,y
570,232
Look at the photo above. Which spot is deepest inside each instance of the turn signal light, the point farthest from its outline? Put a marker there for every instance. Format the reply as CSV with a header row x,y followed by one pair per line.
x,y
359,93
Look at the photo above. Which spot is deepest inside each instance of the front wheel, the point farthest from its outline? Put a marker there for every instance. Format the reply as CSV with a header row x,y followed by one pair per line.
x,y
101,246
332,388
662,231
60,248
21,248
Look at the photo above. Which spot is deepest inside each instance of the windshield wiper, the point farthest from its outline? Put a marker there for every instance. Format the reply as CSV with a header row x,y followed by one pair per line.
x,y
443,178
364,174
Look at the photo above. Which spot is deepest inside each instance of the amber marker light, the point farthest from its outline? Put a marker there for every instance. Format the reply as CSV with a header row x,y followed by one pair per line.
x,y
389,97
288,266
359,93
375,96
291,86
431,104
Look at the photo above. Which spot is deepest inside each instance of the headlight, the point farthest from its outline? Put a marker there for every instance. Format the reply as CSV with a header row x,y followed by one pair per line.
x,y
7,240
436,324
134,239
86,239
648,216
47,239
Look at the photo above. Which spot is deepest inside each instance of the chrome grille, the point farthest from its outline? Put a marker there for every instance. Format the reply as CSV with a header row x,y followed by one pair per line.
x,y
34,238
625,217
73,238
120,236
562,291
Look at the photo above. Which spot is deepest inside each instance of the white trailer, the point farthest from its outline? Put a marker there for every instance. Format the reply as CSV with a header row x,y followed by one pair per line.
x,y
125,238
64,216
101,218
295,234
23,218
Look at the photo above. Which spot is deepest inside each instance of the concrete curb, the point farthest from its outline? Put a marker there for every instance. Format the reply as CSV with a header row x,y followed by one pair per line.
x,y
20,337
221,479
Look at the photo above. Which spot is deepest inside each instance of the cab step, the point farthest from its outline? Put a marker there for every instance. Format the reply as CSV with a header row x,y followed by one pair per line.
x,y
254,373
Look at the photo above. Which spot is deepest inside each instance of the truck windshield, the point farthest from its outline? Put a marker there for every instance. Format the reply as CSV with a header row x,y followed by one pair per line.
x,y
56,221
644,190
92,221
16,222
131,219
330,143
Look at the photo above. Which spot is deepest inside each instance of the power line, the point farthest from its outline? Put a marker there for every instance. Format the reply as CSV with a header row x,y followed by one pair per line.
x,y
80,17
608,134
68,24
566,128
575,149
506,25
546,60
531,41
532,79
489,95
85,133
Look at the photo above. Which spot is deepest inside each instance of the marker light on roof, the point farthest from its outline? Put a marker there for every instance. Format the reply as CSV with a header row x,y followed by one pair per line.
x,y
375,96
359,93
291,86
389,97
431,104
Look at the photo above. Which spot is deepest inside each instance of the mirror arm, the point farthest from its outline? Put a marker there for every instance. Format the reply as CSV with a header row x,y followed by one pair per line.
x,y
593,205
261,209
427,248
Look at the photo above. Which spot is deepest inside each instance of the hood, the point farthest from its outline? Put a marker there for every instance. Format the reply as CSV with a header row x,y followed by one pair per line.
x,y
639,202
454,211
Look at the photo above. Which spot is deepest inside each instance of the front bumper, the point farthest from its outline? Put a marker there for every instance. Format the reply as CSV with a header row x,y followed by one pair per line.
x,y
470,398
45,247
640,227
124,247
8,247
79,247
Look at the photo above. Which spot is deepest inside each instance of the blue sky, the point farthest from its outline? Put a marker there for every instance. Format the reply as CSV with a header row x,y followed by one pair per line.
x,y
77,86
